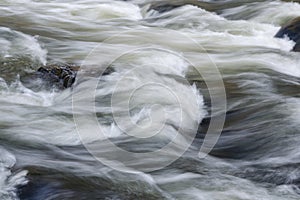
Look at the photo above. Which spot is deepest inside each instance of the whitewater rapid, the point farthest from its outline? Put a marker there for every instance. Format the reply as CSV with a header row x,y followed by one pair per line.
x,y
160,92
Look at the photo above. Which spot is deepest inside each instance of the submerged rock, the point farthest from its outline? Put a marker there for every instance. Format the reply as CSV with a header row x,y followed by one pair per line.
x,y
292,31
60,76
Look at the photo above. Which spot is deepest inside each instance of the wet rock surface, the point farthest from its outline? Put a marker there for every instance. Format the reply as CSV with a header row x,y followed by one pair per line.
x,y
292,31
60,76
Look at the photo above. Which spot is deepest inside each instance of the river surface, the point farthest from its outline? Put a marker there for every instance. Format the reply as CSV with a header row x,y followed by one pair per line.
x,y
173,71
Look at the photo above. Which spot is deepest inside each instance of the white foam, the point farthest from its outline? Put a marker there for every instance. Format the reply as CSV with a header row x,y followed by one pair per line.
x,y
77,10
214,31
32,118
14,43
108,11
9,181
16,93
145,84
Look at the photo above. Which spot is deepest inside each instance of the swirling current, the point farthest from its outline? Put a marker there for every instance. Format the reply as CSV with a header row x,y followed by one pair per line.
x,y
200,101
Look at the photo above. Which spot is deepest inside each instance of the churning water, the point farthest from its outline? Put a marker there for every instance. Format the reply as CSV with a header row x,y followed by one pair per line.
x,y
136,132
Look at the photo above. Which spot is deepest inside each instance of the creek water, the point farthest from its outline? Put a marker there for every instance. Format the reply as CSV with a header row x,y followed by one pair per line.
x,y
160,91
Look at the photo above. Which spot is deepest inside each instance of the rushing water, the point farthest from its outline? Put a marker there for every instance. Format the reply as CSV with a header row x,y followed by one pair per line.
x,y
158,93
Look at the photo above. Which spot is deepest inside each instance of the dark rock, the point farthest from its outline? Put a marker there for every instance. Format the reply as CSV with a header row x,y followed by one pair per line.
x,y
164,7
292,31
211,6
64,75
60,76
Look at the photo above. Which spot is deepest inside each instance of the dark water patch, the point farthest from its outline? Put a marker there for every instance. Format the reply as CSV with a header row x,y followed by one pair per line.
x,y
254,123
52,184
277,174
